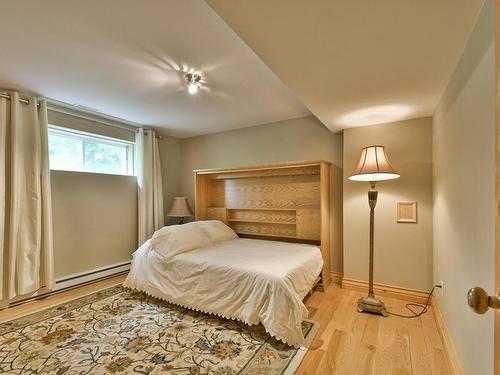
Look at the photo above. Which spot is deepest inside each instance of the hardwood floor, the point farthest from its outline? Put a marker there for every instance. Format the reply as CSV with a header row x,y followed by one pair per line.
x,y
56,299
347,342
352,343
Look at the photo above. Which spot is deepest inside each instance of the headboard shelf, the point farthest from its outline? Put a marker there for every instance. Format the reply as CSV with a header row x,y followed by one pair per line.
x,y
284,169
258,214
261,208
263,221
265,229
264,235
288,201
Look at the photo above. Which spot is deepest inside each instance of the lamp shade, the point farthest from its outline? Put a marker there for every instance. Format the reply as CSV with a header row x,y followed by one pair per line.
x,y
180,208
374,165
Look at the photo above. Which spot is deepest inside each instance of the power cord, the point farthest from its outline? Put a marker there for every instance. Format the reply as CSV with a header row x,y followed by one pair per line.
x,y
423,307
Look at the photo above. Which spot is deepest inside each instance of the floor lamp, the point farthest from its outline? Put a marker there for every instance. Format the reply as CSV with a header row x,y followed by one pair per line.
x,y
373,166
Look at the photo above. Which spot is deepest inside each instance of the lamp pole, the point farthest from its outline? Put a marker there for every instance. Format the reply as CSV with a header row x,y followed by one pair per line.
x,y
371,303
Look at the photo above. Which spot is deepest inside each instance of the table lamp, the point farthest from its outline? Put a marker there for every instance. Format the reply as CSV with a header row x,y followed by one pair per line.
x,y
180,208
373,166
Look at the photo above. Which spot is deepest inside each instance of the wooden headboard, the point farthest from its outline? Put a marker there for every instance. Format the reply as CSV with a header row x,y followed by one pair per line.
x,y
283,202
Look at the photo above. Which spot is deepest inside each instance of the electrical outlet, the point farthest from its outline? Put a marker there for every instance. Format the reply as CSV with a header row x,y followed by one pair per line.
x,y
441,290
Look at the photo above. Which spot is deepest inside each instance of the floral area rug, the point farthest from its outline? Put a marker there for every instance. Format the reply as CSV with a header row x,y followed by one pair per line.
x,y
119,331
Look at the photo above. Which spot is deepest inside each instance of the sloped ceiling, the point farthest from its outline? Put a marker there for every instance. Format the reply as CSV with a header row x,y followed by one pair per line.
x,y
357,62
127,58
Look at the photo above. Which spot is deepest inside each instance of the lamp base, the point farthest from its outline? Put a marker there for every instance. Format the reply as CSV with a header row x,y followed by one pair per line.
x,y
372,305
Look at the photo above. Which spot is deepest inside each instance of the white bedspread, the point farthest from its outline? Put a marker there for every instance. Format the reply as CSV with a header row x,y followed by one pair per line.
x,y
245,279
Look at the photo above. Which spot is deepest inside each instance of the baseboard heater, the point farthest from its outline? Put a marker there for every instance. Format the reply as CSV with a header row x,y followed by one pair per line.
x,y
73,281
92,275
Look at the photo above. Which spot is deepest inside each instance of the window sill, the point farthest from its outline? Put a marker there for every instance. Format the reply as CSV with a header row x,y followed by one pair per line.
x,y
63,171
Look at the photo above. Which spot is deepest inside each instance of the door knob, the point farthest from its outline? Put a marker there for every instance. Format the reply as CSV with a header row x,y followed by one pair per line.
x,y
480,301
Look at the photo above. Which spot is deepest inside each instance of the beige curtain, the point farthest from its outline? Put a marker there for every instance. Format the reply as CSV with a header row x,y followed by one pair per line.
x,y
149,184
25,202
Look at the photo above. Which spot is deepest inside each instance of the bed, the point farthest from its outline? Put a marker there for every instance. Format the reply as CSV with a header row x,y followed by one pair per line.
x,y
259,242
253,281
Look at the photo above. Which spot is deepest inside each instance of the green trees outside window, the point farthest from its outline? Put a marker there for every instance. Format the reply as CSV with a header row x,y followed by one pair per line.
x,y
76,151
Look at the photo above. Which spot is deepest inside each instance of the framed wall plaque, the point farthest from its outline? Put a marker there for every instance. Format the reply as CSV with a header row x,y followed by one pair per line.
x,y
406,211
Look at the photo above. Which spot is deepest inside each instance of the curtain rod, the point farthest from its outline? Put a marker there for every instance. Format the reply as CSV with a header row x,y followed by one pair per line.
x,y
88,118
7,96
157,136
70,112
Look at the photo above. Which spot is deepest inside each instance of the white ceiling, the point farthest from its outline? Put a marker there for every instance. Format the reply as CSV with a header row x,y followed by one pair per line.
x,y
351,63
128,58
357,62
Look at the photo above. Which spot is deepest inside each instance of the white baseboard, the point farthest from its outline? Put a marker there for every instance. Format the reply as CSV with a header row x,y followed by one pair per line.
x,y
449,346
70,281
336,277
91,275
405,294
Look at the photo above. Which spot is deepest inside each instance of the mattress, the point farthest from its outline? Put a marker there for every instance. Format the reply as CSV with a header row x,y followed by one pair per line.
x,y
254,281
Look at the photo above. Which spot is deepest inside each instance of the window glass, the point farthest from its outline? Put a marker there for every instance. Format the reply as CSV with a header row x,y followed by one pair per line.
x,y
65,152
83,152
105,158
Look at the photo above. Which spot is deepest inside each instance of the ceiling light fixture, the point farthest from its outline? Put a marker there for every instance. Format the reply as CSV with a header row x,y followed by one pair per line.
x,y
193,81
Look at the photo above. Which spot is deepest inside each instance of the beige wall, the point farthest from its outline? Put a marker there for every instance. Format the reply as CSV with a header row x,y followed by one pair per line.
x,y
464,195
94,218
290,140
403,251
94,215
86,125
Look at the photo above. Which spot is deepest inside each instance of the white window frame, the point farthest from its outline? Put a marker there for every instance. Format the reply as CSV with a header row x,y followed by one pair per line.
x,y
85,136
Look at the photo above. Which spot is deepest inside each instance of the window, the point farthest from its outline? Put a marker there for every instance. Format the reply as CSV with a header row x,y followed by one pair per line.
x,y
72,150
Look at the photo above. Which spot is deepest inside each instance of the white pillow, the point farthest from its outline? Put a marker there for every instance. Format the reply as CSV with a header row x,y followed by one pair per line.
x,y
176,239
217,231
